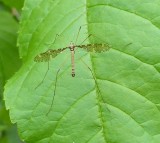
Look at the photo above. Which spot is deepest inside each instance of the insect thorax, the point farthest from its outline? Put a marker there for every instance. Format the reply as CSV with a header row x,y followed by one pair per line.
x,y
71,46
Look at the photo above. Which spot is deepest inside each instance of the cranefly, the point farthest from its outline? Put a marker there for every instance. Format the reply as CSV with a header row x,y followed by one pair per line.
x,y
46,56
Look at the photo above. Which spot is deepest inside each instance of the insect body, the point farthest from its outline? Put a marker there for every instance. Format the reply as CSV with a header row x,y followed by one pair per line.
x,y
72,49
46,56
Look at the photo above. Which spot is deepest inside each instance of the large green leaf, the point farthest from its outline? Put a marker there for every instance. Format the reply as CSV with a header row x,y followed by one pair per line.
x,y
128,75
9,64
14,3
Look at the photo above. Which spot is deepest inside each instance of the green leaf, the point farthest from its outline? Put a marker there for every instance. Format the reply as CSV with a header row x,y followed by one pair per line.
x,y
9,64
9,59
127,76
14,3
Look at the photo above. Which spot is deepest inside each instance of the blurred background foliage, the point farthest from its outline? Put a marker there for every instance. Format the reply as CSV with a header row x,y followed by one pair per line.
x,y
9,61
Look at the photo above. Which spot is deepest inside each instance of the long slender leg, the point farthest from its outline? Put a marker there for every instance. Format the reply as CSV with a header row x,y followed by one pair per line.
x,y
54,92
87,36
53,41
56,85
96,83
43,77
72,49
86,39
83,41
78,34
73,52
48,64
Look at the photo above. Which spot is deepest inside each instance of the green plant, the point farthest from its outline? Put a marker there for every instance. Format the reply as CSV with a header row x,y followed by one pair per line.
x,y
9,63
128,76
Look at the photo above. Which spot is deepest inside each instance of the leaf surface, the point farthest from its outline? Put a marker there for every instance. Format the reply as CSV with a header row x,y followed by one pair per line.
x,y
14,3
127,76
9,64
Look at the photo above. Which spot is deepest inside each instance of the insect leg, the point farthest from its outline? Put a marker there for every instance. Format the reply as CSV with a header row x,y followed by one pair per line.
x,y
43,77
86,39
53,41
82,42
56,85
78,34
96,83
54,92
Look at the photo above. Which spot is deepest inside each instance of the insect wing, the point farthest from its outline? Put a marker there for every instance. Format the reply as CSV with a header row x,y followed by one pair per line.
x,y
45,57
95,47
101,47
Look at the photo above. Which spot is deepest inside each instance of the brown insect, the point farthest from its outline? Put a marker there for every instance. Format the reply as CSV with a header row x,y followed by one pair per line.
x,y
46,56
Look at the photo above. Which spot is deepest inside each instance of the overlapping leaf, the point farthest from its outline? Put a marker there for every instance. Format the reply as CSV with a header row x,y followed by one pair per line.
x,y
14,3
9,64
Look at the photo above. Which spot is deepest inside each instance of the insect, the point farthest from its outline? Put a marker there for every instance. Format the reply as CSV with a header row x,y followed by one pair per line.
x,y
46,56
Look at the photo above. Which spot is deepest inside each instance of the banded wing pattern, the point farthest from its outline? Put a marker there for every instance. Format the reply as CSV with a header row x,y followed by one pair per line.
x,y
45,57
95,47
